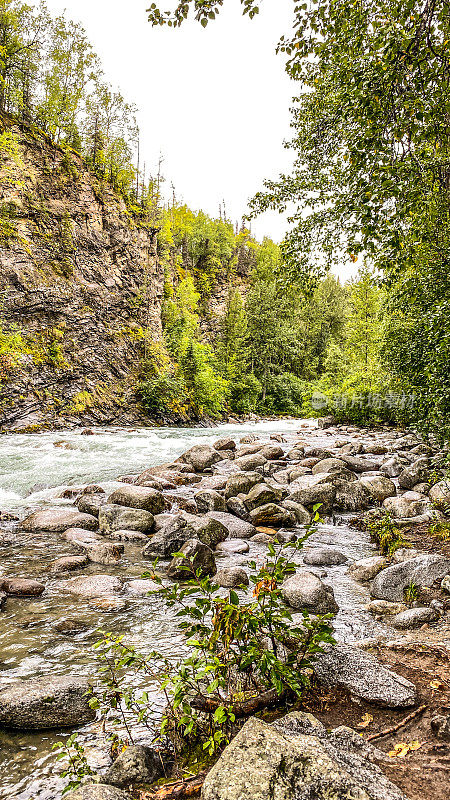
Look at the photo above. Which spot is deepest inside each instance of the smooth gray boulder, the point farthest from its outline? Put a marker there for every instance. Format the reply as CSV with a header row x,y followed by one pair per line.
x,y
358,464
364,676
69,563
93,585
272,452
392,467
113,517
53,701
21,587
311,490
302,515
391,582
196,556
250,462
208,529
137,764
305,591
440,492
225,444
138,497
90,503
329,465
350,496
323,557
231,577
108,553
237,528
415,617
295,759
58,520
97,791
233,547
405,507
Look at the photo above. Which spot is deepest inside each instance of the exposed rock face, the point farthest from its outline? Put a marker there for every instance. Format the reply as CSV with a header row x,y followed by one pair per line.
x,y
391,582
296,759
48,702
364,676
72,277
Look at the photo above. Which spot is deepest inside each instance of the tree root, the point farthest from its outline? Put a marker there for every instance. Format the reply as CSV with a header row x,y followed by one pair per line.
x,y
180,790
243,708
399,725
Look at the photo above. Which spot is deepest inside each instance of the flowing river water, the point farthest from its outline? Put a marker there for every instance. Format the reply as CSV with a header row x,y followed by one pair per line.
x,y
34,472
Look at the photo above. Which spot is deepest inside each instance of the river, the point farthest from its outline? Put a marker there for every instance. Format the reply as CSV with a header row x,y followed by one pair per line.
x,y
34,472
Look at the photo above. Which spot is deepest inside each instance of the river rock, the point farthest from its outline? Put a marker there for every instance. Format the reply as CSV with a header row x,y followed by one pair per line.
x,y
106,553
329,465
417,472
233,547
114,517
415,617
90,503
251,462
241,483
350,496
208,529
232,577
21,587
142,586
391,582
196,556
323,557
311,490
366,568
209,500
401,507
359,464
237,528
58,520
305,591
93,585
71,627
225,444
108,604
291,760
384,608
440,492
445,583
363,676
440,725
273,516
302,516
69,563
201,457
97,791
135,537
79,537
137,764
272,452
405,554
140,497
237,507
168,539
378,486
392,467
261,494
49,702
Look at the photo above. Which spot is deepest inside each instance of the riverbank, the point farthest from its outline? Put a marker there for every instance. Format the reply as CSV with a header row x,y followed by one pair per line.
x,y
346,469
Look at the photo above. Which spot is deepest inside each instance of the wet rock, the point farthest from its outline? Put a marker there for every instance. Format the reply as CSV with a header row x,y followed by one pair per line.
x,y
323,557
440,492
251,462
272,515
263,538
142,586
184,502
249,449
302,516
44,703
207,529
359,464
378,486
91,503
93,585
108,604
70,627
209,500
234,547
237,507
415,617
418,471
140,497
106,553
58,520
69,563
196,556
261,494
118,518
21,587
391,582
400,507
241,483
168,539
311,490
329,465
79,536
97,791
201,457
135,537
272,452
350,496
285,536
293,761
136,764
305,591
225,444
237,528
232,577
367,568
364,676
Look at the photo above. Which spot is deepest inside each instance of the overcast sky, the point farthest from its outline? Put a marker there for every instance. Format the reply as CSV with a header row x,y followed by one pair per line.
x,y
215,102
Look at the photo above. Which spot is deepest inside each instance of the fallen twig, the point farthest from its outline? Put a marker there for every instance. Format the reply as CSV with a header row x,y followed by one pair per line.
x,y
399,725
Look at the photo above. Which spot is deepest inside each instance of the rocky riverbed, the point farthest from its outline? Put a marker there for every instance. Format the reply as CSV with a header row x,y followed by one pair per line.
x,y
73,556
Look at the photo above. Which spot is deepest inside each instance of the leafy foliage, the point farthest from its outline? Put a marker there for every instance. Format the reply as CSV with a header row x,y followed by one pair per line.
x,y
387,535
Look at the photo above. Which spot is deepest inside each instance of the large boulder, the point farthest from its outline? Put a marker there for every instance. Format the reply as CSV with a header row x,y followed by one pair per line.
x,y
329,465
21,587
237,528
311,490
93,585
58,520
138,497
97,791
392,467
168,539
367,568
391,582
297,759
323,557
261,494
113,517
52,701
196,556
225,444
378,486
250,462
272,452
209,500
302,516
273,516
306,592
232,577
108,553
358,464
201,457
137,764
415,473
69,563
90,503
363,676
350,496
241,483
440,492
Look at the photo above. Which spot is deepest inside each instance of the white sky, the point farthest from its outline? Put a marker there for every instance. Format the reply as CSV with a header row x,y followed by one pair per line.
x,y
215,101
